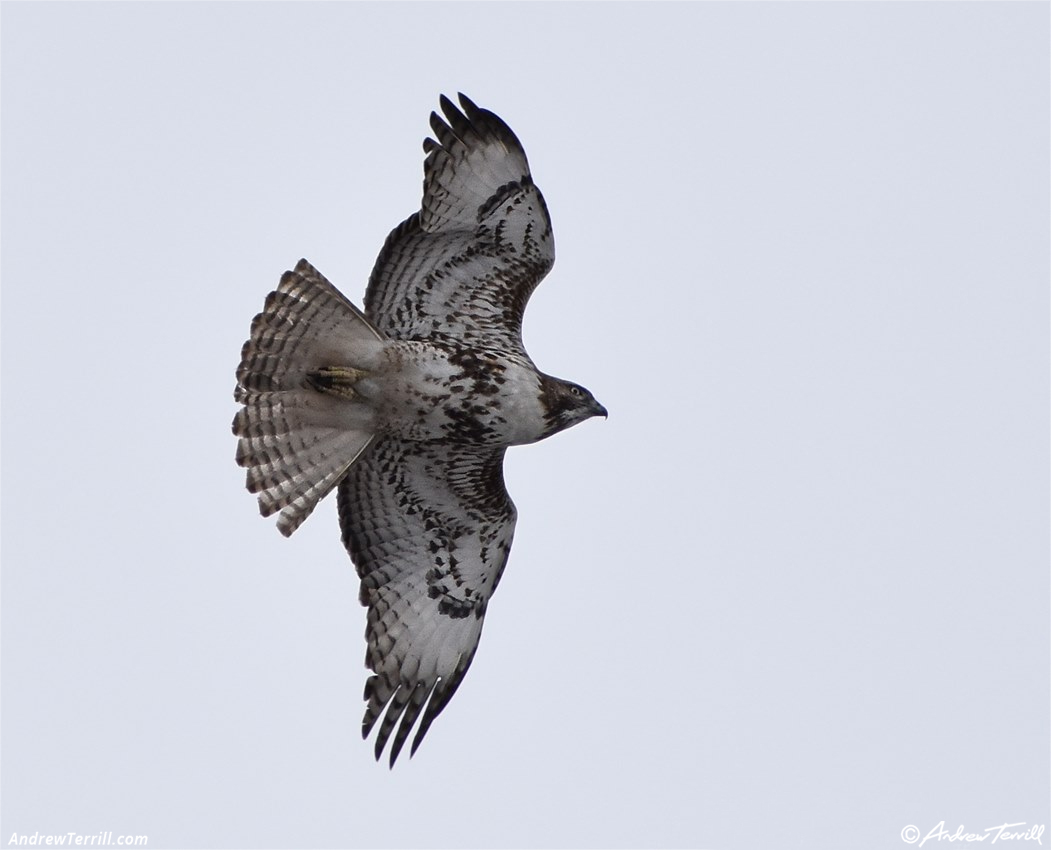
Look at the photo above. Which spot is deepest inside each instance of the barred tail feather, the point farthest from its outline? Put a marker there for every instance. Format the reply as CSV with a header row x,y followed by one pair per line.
x,y
298,436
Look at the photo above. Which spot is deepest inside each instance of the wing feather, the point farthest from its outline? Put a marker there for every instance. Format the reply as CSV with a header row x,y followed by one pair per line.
x,y
429,527
464,266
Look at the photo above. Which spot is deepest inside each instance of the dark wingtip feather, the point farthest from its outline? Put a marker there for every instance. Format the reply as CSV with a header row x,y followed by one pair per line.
x,y
395,709
399,740
440,696
437,124
460,123
417,699
468,105
370,718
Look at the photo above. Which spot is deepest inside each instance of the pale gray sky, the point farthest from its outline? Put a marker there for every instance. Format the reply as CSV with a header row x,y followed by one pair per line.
x,y
793,593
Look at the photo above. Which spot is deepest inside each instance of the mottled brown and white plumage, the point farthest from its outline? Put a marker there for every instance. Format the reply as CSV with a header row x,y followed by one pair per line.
x,y
409,407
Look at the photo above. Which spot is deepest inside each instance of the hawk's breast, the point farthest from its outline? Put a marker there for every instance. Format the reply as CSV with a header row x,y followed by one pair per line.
x,y
434,391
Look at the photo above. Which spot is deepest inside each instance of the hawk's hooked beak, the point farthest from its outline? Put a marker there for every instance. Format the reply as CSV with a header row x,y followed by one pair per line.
x,y
597,409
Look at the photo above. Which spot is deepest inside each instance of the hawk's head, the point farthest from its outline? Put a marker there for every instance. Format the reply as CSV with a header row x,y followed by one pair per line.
x,y
566,404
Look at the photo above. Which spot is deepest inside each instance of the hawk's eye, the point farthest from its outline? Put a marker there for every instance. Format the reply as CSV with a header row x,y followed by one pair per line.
x,y
575,390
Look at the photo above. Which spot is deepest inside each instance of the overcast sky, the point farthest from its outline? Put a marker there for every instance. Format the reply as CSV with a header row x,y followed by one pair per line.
x,y
793,593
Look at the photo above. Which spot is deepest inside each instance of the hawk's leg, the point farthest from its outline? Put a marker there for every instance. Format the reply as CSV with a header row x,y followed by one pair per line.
x,y
336,380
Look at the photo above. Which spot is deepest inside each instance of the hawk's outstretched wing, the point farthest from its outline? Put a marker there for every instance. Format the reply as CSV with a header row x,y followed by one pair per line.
x,y
464,266
429,527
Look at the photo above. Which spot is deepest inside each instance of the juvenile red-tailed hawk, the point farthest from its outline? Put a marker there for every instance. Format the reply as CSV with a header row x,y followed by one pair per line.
x,y
409,408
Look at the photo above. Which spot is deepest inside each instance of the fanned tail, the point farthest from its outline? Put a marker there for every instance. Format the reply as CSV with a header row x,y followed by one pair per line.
x,y
302,425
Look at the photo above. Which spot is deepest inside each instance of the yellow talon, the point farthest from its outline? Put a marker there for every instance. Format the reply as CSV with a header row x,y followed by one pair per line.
x,y
336,380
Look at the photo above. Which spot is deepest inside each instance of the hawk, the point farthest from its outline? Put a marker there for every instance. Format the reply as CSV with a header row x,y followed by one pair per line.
x,y
406,408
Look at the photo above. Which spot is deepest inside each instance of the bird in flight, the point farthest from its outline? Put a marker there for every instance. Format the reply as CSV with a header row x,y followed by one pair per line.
x,y
406,409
